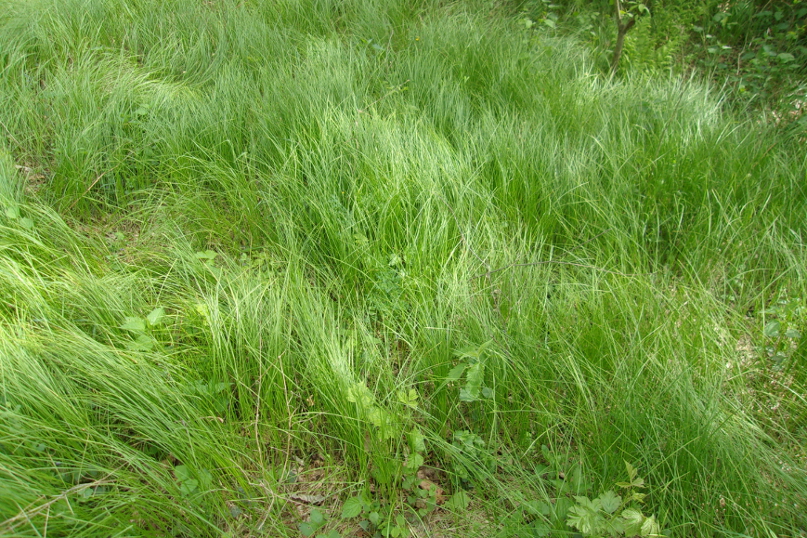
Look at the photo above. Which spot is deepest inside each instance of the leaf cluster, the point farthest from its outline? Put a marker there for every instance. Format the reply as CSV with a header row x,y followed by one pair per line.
x,y
141,329
611,514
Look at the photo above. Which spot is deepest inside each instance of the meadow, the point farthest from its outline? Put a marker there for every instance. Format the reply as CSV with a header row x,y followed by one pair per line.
x,y
386,268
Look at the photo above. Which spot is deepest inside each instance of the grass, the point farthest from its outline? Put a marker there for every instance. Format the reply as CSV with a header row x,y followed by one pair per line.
x,y
334,204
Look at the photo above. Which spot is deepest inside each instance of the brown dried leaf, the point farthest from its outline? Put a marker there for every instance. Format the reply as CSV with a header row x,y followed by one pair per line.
x,y
439,496
307,499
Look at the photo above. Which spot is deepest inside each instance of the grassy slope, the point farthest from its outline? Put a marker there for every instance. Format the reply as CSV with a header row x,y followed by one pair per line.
x,y
386,185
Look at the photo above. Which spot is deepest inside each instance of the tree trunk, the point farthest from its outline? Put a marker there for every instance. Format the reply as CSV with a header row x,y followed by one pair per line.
x,y
621,31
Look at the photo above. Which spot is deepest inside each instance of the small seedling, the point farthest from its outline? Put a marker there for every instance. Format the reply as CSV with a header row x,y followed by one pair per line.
x,y
612,514
317,520
217,395
473,366
141,329
472,454
192,481
783,324
378,520
207,258
422,495
13,213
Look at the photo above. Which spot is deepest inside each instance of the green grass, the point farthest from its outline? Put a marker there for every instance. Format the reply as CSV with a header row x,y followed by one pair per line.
x,y
384,187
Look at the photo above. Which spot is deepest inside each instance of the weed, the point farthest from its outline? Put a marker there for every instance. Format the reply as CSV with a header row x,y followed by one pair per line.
x,y
613,514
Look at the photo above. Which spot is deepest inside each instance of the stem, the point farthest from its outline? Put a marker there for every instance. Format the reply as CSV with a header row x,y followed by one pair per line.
x,y
622,29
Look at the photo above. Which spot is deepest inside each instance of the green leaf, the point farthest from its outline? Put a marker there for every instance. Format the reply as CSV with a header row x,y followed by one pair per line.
x,y
206,255
155,316
633,521
535,508
361,395
473,383
772,328
408,398
587,503
189,486
635,480
190,482
205,479
374,518
650,527
316,518
456,372
13,212
459,501
578,480
351,508
413,463
786,57
134,324
610,501
141,343
382,420
561,507
306,529
473,353
417,442
584,518
561,487
541,529
182,472
793,333
632,472
615,527
541,470
27,223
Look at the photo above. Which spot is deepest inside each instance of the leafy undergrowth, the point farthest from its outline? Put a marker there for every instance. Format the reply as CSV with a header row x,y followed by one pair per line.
x,y
385,268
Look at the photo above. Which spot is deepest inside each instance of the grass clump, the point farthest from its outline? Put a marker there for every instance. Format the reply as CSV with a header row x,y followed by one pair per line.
x,y
260,260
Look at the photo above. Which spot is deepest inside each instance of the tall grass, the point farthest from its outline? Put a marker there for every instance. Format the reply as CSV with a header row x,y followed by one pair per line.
x,y
334,203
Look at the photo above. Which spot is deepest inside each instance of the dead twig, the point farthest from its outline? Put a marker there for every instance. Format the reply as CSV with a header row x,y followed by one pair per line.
x,y
93,184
